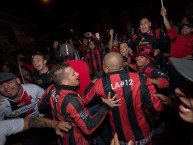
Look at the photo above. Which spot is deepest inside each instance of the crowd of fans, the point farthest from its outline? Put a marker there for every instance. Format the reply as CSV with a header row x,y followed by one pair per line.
x,y
102,92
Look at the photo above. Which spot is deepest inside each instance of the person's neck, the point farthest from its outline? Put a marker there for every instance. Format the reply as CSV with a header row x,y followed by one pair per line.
x,y
144,65
43,71
19,94
127,55
113,70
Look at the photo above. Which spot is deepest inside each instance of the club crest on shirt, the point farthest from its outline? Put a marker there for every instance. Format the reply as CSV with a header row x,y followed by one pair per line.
x,y
39,81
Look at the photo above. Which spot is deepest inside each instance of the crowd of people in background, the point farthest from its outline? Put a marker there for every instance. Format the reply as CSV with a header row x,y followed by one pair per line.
x,y
103,92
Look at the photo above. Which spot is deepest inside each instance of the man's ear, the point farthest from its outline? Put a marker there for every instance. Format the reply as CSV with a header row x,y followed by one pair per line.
x,y
105,68
64,82
18,80
191,30
148,60
45,61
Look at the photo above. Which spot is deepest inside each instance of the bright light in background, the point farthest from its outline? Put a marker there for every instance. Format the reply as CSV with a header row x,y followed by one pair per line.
x,y
72,30
45,1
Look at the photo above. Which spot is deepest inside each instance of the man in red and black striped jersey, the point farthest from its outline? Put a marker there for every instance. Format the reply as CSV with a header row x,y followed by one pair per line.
x,y
93,58
67,105
145,64
133,119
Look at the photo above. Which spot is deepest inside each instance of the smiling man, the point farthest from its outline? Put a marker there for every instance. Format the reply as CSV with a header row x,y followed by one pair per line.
x,y
19,100
185,91
145,64
42,76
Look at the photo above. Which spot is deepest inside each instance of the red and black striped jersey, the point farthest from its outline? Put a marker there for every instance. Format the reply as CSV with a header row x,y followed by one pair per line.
x,y
93,58
67,105
153,71
133,119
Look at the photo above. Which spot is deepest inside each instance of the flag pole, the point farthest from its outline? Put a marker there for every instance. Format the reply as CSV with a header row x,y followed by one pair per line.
x,y
162,5
21,74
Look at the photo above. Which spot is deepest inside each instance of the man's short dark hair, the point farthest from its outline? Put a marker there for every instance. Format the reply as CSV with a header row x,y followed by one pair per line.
x,y
57,72
188,25
40,54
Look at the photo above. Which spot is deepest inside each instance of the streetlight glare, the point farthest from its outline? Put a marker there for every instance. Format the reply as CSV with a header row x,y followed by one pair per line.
x,y
45,1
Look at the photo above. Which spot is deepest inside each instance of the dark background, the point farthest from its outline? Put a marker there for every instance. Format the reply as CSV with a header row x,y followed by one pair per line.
x,y
31,24
51,15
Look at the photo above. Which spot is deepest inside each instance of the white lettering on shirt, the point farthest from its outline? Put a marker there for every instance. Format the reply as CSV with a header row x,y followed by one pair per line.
x,y
144,141
121,84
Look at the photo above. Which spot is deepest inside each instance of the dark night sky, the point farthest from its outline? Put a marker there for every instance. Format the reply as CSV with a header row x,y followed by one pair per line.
x,y
53,20
83,14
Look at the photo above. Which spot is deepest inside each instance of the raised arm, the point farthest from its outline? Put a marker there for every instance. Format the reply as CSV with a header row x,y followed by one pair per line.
x,y
163,12
110,43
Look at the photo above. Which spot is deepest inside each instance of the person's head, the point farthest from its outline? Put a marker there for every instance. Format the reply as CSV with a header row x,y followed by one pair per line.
x,y
185,91
116,43
9,85
187,29
39,61
26,73
63,74
125,49
144,57
6,67
113,61
20,58
91,45
144,25
124,37
85,41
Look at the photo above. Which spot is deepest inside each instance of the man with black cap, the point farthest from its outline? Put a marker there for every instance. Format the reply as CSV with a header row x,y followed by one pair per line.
x,y
19,100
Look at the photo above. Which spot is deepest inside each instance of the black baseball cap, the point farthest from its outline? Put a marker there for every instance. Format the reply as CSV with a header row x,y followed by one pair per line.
x,y
6,76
